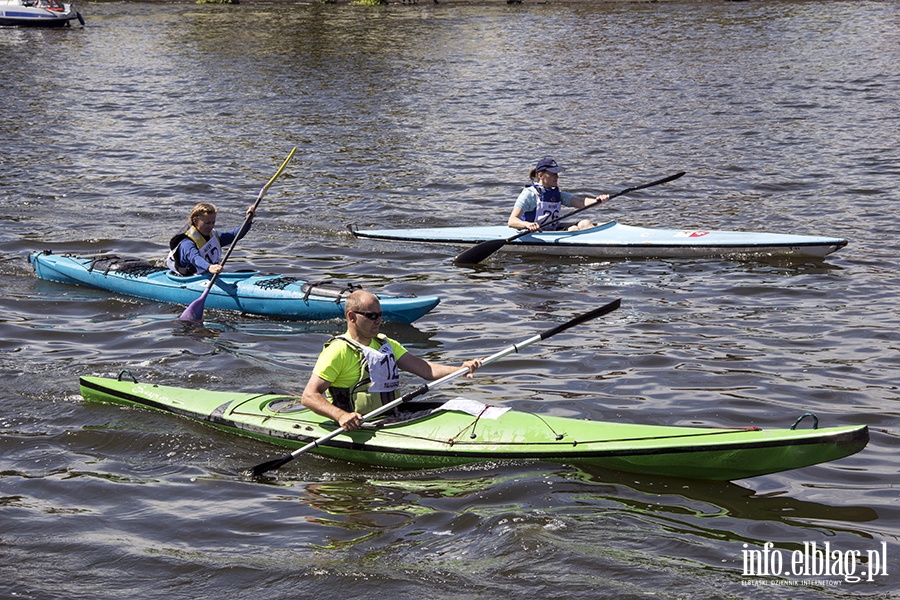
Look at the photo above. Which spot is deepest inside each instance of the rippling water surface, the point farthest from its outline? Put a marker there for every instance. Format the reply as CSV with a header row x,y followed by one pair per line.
x,y
784,116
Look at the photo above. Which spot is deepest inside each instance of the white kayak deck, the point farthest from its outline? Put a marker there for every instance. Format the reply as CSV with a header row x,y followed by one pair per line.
x,y
615,240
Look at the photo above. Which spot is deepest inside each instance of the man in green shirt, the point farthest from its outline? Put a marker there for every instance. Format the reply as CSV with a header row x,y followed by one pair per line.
x,y
359,371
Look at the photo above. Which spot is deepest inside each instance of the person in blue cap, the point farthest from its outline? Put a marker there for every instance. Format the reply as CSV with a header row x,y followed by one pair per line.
x,y
540,202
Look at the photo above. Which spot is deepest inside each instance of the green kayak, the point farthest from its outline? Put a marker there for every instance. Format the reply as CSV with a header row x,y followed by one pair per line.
x,y
462,431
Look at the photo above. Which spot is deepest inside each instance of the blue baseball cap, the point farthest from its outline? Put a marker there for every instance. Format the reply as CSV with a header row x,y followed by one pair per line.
x,y
549,165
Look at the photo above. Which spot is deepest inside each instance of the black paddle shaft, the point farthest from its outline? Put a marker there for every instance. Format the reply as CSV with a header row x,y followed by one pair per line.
x,y
597,312
479,252
616,195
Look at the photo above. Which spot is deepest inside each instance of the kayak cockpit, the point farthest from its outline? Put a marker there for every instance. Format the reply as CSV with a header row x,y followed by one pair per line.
x,y
228,276
291,406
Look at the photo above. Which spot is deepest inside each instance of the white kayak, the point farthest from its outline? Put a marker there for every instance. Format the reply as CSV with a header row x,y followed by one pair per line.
x,y
614,240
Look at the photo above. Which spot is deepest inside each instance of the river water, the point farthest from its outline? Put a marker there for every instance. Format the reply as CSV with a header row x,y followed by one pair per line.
x,y
784,116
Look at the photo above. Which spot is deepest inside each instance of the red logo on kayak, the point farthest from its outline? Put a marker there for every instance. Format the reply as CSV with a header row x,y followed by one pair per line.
x,y
695,233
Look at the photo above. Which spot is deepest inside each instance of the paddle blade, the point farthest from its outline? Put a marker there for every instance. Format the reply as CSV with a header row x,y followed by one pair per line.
x,y
478,252
194,311
271,465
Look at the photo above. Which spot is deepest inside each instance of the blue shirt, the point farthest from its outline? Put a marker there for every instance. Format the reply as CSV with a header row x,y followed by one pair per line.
x,y
189,254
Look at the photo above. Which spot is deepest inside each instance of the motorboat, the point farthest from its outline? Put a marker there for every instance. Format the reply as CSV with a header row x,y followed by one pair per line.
x,y
38,13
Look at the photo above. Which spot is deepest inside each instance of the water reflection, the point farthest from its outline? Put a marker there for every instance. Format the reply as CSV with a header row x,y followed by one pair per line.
x,y
430,505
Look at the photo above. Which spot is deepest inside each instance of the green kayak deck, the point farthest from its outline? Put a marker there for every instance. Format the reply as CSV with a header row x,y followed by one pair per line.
x,y
462,432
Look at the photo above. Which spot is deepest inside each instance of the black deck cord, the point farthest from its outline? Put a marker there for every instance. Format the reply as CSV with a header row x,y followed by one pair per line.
x,y
123,372
309,288
109,265
803,416
559,436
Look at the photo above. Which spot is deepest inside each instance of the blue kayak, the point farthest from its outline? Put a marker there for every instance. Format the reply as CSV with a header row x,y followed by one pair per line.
x,y
615,240
248,292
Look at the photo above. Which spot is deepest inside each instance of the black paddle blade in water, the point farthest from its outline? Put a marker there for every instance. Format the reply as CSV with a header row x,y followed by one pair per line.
x,y
265,467
479,252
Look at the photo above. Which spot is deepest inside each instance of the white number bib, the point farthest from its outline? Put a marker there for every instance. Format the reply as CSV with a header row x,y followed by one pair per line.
x,y
383,371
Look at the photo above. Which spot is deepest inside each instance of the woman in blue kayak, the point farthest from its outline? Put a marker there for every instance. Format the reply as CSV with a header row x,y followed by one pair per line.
x,y
540,202
198,249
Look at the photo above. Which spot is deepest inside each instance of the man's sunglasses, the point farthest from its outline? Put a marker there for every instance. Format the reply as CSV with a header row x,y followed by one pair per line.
x,y
372,316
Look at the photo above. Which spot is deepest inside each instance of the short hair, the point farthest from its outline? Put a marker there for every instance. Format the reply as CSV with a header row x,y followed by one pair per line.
x,y
356,299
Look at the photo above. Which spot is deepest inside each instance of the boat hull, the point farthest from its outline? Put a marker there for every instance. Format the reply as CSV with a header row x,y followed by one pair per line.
x,y
445,438
18,14
248,292
615,240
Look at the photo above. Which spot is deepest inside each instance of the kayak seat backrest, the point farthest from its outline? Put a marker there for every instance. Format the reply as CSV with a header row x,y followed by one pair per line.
x,y
328,290
133,267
